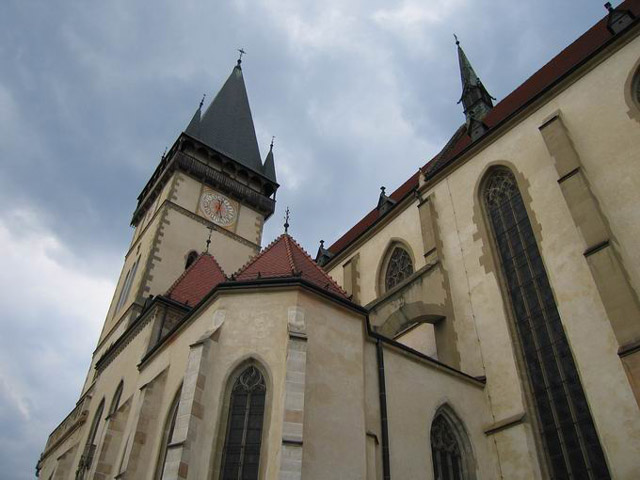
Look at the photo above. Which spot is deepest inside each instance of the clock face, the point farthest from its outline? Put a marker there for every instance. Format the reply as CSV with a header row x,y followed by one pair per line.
x,y
218,209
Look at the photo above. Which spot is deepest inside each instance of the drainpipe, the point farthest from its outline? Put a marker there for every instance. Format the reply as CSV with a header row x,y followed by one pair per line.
x,y
386,470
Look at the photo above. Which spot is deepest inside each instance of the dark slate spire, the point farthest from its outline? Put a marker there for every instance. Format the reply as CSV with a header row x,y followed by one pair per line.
x,y
476,100
227,124
269,167
193,128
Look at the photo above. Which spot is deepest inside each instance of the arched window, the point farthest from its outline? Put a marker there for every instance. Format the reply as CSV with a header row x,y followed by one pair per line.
x,y
115,402
446,450
167,434
565,424
191,257
635,88
241,451
86,459
398,268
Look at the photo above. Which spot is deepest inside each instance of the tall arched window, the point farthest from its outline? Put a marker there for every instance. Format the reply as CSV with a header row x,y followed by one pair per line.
x,y
446,450
167,434
86,459
241,451
115,401
398,267
568,434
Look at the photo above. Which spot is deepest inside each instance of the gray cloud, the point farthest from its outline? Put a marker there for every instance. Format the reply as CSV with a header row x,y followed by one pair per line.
x,y
358,94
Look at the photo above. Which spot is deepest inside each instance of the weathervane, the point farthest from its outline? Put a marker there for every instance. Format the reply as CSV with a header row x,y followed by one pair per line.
x,y
242,52
209,239
272,139
456,37
286,220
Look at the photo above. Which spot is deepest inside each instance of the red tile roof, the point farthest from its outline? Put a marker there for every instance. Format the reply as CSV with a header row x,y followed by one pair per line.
x,y
562,64
200,278
285,258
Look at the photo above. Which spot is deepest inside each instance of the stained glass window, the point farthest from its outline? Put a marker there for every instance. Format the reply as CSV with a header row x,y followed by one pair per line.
x,y
241,453
398,268
446,452
566,426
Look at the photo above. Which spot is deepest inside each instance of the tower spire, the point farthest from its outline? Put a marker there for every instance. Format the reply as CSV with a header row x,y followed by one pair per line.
x,y
475,99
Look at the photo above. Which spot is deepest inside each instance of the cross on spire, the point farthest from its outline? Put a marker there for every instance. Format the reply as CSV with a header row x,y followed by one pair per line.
x,y
286,220
209,239
242,52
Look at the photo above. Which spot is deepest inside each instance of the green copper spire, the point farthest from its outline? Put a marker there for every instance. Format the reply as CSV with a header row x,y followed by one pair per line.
x,y
475,99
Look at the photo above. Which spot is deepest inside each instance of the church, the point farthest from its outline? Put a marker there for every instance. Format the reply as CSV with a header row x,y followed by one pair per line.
x,y
482,321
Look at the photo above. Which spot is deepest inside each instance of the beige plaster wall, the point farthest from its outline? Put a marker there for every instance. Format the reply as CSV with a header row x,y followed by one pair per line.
x,y
405,228
421,338
415,390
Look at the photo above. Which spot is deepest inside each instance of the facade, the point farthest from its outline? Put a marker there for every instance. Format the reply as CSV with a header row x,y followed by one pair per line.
x,y
481,322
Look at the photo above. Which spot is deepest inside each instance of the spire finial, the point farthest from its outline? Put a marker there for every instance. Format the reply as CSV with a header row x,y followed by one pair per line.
x,y
209,239
322,243
202,101
456,37
272,139
608,6
286,220
382,189
164,154
242,52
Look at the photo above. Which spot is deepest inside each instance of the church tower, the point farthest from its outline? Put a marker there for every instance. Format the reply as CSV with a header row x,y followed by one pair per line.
x,y
211,185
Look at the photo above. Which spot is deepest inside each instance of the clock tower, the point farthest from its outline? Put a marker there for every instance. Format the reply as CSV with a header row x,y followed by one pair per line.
x,y
211,182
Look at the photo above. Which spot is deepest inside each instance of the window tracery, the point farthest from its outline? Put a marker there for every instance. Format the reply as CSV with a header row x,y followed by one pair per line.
x,y
399,268
446,451
241,452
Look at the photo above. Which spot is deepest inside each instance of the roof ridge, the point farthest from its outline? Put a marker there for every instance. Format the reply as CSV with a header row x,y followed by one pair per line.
x,y
319,268
255,258
191,267
289,254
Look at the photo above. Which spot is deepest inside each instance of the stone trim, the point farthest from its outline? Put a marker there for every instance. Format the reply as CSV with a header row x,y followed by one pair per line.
x,y
505,423
190,412
295,381
215,227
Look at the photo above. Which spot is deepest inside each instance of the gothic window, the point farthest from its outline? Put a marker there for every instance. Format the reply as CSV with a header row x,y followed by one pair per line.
x,y
399,267
566,428
241,452
636,87
167,434
128,280
86,459
190,258
446,451
115,402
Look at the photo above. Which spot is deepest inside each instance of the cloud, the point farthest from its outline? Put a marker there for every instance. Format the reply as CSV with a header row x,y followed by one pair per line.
x,y
52,303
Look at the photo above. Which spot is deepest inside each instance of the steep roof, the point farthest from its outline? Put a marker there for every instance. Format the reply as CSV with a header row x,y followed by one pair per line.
x,y
200,278
227,124
285,258
556,69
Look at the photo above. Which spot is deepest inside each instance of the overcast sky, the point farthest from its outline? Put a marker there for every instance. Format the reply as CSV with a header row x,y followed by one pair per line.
x,y
358,94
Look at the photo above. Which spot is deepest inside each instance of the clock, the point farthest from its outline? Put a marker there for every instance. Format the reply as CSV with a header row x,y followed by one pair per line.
x,y
218,209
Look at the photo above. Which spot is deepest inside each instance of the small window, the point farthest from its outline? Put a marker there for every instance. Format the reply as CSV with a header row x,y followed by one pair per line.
x,y
448,452
636,88
399,267
191,257
126,287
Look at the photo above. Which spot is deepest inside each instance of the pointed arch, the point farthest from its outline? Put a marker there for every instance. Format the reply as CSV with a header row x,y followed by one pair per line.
x,y
115,401
396,265
564,424
451,452
86,459
167,433
244,421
